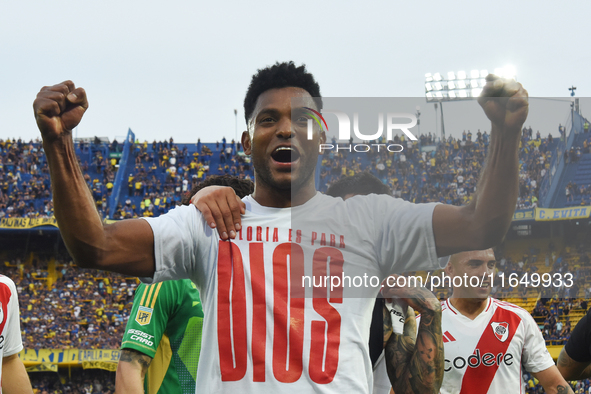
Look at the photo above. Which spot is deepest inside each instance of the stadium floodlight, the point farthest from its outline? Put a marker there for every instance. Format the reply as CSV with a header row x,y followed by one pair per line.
x,y
465,86
459,86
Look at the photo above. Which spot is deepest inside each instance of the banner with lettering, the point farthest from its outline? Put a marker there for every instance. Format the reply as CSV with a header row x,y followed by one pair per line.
x,y
23,223
26,223
570,213
43,367
100,365
70,357
523,215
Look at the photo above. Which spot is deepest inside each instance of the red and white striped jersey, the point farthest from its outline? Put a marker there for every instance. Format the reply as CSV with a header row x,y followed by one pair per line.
x,y
485,355
10,331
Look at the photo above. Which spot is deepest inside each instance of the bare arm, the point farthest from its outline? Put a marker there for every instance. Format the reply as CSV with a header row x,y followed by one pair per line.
x,y
416,366
126,247
484,222
131,372
15,379
553,382
571,369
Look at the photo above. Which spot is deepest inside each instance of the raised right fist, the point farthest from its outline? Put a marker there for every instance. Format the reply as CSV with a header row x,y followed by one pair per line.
x,y
505,103
58,109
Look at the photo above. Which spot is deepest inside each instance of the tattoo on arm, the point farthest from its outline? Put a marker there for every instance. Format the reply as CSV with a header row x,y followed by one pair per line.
x,y
400,347
571,369
417,366
135,357
562,389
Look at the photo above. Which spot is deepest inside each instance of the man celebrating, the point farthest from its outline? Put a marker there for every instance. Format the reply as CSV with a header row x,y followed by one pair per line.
x,y
487,341
267,332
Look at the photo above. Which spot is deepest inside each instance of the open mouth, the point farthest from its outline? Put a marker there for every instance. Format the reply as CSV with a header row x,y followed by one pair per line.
x,y
285,154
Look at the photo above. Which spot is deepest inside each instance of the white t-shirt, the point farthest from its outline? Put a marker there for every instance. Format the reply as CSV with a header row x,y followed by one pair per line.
x,y
381,381
503,336
10,323
248,345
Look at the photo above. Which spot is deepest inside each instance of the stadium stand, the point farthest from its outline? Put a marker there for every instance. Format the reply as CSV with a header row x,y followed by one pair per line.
x,y
568,179
25,190
64,309
156,174
577,190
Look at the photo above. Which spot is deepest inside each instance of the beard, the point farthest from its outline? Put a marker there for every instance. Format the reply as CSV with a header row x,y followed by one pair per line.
x,y
293,184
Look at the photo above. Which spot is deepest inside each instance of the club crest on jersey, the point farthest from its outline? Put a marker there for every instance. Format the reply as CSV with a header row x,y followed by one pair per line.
x,y
501,330
144,315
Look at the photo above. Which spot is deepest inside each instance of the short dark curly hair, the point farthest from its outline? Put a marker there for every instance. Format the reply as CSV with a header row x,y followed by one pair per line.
x,y
280,75
242,187
363,184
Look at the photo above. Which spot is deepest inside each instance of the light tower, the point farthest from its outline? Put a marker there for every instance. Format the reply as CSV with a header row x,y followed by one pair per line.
x,y
459,86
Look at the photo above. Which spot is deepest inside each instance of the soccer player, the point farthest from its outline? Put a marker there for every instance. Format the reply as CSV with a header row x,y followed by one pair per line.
x,y
268,329
487,341
13,376
574,362
162,340
408,371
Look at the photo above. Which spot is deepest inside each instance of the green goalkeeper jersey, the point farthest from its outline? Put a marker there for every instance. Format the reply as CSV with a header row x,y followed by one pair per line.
x,y
165,323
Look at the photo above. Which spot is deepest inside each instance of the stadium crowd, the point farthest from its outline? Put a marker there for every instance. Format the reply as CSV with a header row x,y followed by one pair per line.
x,y
442,171
86,381
426,170
164,171
80,309
25,189
63,307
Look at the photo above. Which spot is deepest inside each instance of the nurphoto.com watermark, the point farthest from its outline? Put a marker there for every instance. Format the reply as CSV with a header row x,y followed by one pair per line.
x,y
441,280
358,281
